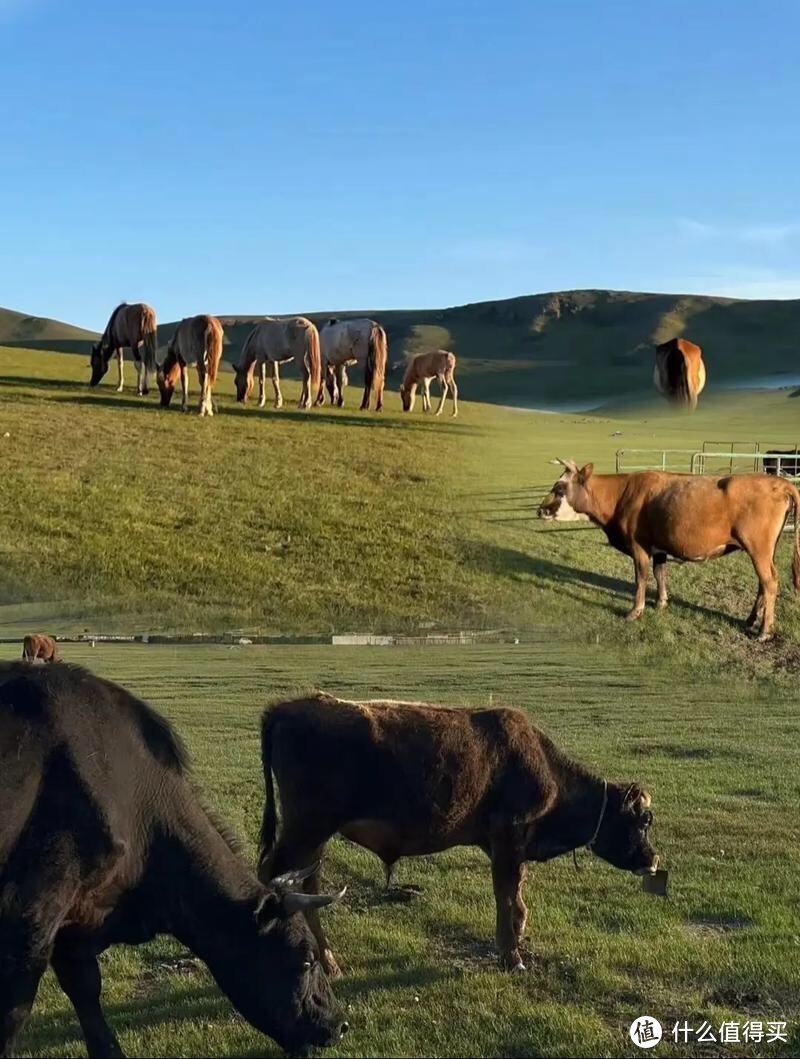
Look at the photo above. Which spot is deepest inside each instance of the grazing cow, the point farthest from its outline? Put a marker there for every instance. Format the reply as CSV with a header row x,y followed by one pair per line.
x,y
273,342
788,464
348,342
37,645
680,373
104,841
132,326
197,339
655,514
436,364
405,779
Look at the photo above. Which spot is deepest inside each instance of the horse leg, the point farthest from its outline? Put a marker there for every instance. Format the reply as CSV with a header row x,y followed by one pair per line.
x,y
184,388
453,392
276,383
262,384
443,384
119,369
341,382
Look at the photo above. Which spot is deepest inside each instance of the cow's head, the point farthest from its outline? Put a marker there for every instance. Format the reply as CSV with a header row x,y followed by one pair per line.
x,y
622,836
243,381
273,975
568,499
98,362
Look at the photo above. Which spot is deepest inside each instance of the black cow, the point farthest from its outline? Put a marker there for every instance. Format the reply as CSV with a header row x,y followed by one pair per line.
x,y
403,779
789,463
103,840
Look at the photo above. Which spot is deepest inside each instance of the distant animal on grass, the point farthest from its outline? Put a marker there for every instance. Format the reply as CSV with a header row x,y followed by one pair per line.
x,y
680,373
134,327
197,340
653,515
104,841
39,647
784,462
348,342
435,364
408,779
273,342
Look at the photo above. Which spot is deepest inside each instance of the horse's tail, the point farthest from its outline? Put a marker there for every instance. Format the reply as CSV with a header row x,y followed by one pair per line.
x,y
377,354
269,820
314,366
213,339
149,339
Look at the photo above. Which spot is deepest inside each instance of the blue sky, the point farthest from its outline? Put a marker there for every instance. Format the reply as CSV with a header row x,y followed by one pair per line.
x,y
250,157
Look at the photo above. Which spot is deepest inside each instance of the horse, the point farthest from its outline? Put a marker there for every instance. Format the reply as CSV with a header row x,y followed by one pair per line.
x,y
132,326
197,339
435,364
680,373
348,342
273,342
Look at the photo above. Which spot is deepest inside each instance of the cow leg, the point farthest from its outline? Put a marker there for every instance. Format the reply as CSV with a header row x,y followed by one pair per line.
x,y
660,572
78,975
641,565
276,383
767,590
508,877
19,981
119,371
295,853
756,614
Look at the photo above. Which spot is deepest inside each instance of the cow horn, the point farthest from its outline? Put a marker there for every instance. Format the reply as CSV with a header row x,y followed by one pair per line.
x,y
569,464
302,902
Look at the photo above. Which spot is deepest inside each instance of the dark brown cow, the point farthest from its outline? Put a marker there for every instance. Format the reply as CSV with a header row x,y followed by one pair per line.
x,y
404,779
37,645
655,514
680,373
104,841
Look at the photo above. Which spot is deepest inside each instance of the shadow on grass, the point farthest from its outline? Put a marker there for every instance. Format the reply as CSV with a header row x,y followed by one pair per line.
x,y
510,563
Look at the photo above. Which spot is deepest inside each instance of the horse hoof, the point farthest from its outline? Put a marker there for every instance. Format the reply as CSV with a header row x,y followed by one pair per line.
x,y
633,615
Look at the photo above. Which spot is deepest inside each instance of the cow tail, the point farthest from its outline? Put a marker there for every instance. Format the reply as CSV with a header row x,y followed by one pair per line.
x,y
795,498
314,356
269,821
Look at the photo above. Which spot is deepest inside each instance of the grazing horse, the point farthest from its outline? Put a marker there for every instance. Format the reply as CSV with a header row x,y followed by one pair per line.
x,y
198,339
132,326
347,342
680,373
38,646
437,364
273,342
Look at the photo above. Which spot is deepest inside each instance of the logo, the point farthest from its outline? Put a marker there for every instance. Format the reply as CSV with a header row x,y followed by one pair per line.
x,y
645,1032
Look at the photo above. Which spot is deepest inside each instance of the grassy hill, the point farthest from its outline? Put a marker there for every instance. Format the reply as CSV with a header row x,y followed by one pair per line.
x,y
565,349
39,332
119,516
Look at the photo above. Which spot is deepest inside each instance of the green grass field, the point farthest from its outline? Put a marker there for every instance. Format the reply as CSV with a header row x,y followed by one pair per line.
x,y
420,979
121,517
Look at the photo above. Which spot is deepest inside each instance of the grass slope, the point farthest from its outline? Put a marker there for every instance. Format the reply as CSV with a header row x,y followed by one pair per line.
x,y
421,977
39,332
119,516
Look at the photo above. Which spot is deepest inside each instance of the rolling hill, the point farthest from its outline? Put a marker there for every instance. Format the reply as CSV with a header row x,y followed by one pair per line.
x,y
568,348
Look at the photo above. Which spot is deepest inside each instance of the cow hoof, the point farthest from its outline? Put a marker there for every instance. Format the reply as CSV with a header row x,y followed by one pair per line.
x,y
120,389
766,637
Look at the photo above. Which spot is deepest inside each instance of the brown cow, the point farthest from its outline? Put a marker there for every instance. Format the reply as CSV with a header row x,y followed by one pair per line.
x,y
435,364
132,326
680,373
197,339
38,646
654,514
406,779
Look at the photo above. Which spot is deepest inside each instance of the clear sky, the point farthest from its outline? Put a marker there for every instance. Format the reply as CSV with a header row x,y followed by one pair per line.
x,y
259,157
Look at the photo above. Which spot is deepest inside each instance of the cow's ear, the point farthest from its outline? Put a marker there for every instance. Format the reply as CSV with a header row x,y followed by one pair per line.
x,y
269,910
586,472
